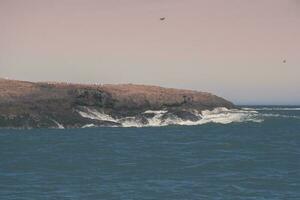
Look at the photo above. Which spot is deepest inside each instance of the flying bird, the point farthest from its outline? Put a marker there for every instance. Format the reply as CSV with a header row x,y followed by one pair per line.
x,y
284,61
162,18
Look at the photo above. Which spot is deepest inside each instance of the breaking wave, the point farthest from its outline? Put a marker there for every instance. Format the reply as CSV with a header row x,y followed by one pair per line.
x,y
59,126
148,118
94,114
219,115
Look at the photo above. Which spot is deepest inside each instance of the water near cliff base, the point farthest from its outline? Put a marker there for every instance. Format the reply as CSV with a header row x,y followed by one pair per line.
x,y
258,159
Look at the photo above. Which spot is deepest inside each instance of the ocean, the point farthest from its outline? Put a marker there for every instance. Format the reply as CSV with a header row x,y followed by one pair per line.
x,y
254,156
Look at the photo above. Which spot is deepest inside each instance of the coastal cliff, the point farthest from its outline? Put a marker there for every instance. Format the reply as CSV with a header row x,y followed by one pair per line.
x,y
26,104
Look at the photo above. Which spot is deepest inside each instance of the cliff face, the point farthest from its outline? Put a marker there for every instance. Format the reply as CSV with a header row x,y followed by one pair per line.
x,y
29,105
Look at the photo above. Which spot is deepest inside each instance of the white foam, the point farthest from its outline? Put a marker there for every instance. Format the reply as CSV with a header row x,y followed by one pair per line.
x,y
130,122
88,126
95,114
225,116
219,115
59,126
156,119
155,111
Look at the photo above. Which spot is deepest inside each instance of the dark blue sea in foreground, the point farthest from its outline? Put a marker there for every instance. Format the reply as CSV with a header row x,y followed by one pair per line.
x,y
242,160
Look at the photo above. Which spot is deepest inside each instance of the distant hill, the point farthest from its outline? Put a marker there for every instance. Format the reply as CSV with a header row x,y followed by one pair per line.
x,y
26,104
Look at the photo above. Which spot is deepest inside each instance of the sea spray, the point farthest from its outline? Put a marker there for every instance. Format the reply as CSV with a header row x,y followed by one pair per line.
x,y
164,117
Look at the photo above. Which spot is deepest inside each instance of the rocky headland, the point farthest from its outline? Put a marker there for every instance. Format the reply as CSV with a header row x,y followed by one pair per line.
x,y
26,104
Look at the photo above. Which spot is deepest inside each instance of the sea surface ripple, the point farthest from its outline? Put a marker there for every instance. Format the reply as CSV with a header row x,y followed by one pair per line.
x,y
239,160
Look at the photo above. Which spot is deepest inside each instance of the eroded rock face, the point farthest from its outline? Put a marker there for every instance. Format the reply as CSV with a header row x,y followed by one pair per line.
x,y
93,97
48,105
186,115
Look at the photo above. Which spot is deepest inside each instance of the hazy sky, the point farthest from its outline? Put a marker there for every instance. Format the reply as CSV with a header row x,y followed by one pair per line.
x,y
233,48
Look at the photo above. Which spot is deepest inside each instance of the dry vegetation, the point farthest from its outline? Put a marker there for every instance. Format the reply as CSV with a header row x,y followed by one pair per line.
x,y
38,103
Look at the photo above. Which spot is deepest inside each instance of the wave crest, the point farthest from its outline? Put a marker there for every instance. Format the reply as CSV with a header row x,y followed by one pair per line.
x,y
164,118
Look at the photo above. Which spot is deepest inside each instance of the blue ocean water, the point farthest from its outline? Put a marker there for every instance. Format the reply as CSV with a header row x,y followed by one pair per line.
x,y
241,160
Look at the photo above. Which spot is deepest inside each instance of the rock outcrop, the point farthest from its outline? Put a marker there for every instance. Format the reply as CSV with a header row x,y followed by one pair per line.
x,y
55,105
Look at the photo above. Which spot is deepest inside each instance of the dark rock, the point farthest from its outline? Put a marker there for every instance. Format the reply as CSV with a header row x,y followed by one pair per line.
x,y
186,115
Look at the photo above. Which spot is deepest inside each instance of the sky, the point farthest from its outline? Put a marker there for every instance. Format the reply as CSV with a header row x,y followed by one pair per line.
x,y
232,48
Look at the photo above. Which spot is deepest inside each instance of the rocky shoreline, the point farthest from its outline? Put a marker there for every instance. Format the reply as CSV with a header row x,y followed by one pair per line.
x,y
26,104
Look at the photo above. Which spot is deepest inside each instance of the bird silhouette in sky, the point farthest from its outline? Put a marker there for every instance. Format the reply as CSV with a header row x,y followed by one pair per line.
x,y
162,18
284,61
